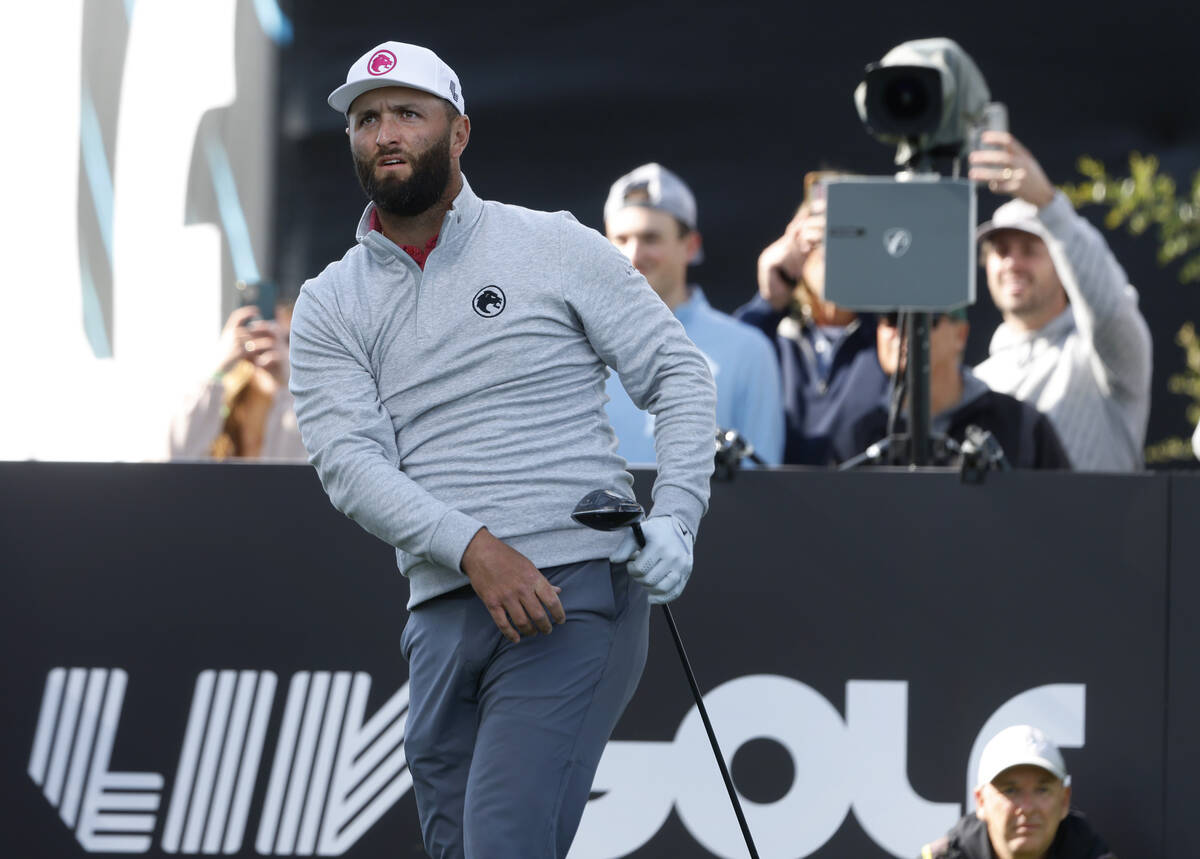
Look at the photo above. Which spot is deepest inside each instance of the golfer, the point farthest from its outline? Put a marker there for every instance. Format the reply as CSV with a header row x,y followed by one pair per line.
x,y
449,376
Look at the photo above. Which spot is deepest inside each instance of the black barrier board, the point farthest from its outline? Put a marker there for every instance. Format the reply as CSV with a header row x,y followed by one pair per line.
x,y
1183,699
201,659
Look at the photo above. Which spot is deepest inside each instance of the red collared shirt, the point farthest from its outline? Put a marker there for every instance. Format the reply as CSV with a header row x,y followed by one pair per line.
x,y
419,255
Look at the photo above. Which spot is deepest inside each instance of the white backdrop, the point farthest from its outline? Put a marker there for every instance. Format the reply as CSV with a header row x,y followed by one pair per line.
x,y
61,400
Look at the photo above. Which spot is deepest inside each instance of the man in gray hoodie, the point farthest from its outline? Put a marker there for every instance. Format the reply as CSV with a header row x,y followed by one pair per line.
x,y
449,376
1073,342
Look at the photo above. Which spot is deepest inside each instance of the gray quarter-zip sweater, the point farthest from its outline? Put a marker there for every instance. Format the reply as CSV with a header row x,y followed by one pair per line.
x,y
471,394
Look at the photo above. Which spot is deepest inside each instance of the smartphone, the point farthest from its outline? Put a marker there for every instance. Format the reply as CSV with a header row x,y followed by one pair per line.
x,y
994,118
260,293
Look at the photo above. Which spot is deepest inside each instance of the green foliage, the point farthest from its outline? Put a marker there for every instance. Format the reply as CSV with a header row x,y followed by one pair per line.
x,y
1147,198
1186,383
1143,199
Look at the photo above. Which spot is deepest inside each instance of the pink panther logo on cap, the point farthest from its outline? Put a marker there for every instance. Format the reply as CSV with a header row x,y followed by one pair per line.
x,y
381,63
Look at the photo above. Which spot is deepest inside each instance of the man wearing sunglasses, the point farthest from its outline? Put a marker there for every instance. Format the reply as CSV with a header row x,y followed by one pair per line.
x,y
957,399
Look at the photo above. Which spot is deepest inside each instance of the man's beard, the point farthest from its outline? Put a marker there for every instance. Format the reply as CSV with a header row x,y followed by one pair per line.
x,y
430,174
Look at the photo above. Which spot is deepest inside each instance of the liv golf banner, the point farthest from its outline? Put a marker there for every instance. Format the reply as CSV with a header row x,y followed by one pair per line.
x,y
205,659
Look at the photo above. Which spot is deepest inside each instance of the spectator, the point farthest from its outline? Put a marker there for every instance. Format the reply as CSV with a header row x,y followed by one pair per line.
x,y
650,215
244,409
957,400
1073,342
831,375
1022,806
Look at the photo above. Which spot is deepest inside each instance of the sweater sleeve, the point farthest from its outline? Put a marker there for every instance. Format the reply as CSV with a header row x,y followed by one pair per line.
x,y
196,425
352,443
633,332
1105,306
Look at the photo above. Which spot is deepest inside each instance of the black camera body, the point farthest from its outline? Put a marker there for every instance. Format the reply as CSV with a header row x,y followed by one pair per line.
x,y
926,96
903,101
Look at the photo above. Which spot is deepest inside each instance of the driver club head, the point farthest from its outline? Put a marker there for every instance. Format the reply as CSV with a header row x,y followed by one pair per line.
x,y
605,510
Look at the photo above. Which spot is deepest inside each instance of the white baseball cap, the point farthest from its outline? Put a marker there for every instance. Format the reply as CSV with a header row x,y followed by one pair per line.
x,y
1020,745
398,64
654,187
1014,215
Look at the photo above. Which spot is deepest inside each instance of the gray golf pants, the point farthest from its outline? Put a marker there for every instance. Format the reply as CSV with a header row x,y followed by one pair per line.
x,y
503,739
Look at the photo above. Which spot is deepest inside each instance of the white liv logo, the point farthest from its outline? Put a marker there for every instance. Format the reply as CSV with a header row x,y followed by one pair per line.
x,y
110,812
335,773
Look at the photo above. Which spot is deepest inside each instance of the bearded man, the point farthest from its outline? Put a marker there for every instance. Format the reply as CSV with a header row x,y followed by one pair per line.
x,y
449,378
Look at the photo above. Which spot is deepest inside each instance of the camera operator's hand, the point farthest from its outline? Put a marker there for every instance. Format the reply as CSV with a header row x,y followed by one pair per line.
x,y
664,565
1009,168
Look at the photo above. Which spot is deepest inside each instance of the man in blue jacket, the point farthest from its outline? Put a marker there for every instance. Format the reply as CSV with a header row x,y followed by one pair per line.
x,y
650,215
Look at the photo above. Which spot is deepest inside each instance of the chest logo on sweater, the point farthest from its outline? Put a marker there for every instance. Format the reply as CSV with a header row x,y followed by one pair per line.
x,y
489,301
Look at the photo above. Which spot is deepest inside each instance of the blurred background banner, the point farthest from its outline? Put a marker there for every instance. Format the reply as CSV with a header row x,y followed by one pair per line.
x,y
160,150
139,172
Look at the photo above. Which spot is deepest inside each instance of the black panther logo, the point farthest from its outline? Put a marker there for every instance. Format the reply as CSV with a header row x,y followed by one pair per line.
x,y
489,301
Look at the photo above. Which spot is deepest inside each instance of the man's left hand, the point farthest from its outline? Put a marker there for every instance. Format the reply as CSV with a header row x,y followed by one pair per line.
x,y
1009,168
664,565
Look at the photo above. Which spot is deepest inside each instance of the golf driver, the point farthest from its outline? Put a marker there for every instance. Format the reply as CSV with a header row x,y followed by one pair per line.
x,y
605,510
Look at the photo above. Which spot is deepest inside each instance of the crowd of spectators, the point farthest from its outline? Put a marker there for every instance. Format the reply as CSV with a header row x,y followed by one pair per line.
x,y
804,382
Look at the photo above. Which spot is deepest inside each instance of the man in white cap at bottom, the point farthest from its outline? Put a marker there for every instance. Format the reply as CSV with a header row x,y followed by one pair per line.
x,y
1022,806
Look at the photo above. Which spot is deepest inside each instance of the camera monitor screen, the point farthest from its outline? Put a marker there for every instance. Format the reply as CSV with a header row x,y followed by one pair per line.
x,y
900,245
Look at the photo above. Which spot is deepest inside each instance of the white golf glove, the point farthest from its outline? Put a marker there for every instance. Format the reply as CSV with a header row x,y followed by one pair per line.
x,y
664,564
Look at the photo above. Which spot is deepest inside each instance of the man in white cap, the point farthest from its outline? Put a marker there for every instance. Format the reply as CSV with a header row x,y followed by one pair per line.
x,y
1022,806
1073,342
650,215
448,374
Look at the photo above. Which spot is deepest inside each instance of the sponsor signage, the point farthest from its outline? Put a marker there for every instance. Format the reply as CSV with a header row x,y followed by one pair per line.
x,y
210,665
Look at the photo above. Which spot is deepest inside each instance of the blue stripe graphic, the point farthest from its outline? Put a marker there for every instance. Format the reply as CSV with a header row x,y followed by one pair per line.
x,y
274,23
229,205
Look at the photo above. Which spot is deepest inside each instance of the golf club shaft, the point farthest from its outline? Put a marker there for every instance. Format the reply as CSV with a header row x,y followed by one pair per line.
x,y
712,737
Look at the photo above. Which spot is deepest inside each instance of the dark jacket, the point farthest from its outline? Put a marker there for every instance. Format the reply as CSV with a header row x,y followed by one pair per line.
x,y
1025,434
817,409
968,839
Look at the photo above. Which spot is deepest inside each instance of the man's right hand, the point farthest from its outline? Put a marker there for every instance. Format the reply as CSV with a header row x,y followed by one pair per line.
x,y
781,264
519,598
